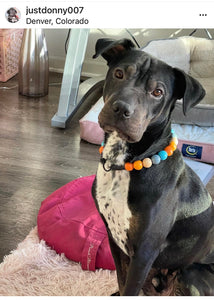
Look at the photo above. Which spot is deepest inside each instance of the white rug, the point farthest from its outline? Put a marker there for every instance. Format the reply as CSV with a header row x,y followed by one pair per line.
x,y
33,269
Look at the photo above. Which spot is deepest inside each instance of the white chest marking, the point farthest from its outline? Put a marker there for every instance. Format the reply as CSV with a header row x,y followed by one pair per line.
x,y
112,191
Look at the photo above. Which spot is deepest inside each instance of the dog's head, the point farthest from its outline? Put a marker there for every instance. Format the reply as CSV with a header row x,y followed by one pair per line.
x,y
140,90
12,12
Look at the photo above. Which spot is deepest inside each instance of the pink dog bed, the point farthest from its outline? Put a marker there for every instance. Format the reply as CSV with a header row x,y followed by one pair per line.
x,y
69,223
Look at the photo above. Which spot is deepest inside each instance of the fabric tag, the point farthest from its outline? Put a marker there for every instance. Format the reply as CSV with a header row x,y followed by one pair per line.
x,y
192,151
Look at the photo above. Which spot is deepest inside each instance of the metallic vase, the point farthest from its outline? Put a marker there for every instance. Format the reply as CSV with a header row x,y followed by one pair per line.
x,y
33,64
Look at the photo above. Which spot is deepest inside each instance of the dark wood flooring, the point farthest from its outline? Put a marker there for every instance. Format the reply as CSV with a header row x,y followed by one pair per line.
x,y
36,159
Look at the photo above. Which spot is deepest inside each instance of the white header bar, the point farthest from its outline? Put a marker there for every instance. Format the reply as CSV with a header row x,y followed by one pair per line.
x,y
107,14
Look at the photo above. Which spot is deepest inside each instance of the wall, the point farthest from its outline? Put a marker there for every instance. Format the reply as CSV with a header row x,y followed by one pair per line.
x,y
56,44
55,41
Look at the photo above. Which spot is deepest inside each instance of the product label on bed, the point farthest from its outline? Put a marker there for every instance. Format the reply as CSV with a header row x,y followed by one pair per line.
x,y
192,151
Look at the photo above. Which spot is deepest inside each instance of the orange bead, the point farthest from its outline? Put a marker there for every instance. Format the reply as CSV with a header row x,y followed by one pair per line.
x,y
129,166
147,163
169,150
173,145
101,149
138,165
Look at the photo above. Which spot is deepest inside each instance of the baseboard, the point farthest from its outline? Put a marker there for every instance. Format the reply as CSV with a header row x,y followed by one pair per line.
x,y
55,70
91,68
56,64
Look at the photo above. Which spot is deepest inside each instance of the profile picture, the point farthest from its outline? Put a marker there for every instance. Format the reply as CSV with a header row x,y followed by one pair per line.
x,y
13,15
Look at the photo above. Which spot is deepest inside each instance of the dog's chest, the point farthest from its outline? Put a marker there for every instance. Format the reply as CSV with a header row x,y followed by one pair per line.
x,y
112,194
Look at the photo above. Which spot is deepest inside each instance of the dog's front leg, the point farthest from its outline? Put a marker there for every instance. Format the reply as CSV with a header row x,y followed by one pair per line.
x,y
139,267
121,261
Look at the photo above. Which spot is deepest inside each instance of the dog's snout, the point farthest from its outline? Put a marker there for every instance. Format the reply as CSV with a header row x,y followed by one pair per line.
x,y
122,109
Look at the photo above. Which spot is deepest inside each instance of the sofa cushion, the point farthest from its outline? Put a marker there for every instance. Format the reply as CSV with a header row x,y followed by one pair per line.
x,y
201,56
174,52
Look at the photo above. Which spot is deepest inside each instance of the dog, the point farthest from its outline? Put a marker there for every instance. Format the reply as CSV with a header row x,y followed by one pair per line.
x,y
12,15
158,214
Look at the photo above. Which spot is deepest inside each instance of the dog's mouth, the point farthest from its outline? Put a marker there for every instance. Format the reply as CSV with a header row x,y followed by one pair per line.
x,y
130,130
122,135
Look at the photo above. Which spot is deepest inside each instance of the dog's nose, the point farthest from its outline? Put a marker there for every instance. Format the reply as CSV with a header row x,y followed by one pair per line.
x,y
122,109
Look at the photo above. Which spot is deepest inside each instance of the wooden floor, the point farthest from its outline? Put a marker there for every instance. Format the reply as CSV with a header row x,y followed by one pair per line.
x,y
36,159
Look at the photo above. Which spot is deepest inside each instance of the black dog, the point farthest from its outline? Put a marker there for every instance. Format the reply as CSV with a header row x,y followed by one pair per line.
x,y
159,217
12,15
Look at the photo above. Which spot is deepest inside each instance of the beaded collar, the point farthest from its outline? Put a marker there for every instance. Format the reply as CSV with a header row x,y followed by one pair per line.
x,y
146,162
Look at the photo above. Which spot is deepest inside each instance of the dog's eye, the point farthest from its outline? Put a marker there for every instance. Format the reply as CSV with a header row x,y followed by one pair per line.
x,y
118,73
157,93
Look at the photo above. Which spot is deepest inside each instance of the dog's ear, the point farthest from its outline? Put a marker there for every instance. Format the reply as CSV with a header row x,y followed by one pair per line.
x,y
108,48
189,89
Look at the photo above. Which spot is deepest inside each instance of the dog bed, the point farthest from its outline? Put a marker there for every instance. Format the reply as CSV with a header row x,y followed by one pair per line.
x,y
195,142
69,222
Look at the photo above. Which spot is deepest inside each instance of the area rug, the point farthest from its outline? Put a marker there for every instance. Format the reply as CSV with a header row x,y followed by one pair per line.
x,y
33,269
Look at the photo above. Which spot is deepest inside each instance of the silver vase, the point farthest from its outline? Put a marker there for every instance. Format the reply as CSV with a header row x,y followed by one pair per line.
x,y
33,64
